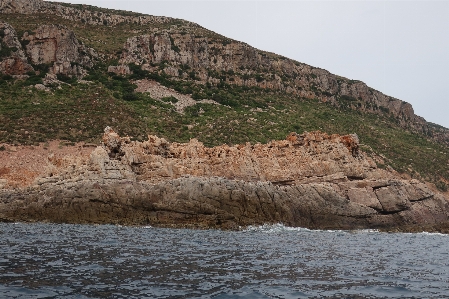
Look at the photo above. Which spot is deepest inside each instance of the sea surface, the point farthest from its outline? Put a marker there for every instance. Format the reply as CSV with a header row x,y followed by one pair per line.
x,y
93,261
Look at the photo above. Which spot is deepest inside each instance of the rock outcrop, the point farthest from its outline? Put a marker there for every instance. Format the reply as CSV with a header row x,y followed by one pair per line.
x,y
310,180
13,60
53,45
57,45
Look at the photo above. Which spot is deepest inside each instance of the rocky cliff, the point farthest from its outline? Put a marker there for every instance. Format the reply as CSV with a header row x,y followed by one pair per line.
x,y
216,61
233,62
52,45
13,60
188,52
56,45
311,180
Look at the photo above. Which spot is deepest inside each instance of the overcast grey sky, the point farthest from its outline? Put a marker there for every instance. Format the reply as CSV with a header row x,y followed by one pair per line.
x,y
400,48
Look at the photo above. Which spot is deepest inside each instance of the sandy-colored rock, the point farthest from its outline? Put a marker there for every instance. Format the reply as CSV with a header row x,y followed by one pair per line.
x,y
296,181
159,92
364,196
119,69
393,198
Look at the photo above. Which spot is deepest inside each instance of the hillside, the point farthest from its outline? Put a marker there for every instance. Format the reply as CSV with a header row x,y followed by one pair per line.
x,y
65,76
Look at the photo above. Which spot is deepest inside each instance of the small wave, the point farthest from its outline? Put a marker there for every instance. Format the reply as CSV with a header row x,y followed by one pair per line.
x,y
433,234
279,227
366,231
272,228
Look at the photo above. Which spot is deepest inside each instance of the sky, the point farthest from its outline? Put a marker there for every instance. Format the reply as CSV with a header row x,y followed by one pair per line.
x,y
400,48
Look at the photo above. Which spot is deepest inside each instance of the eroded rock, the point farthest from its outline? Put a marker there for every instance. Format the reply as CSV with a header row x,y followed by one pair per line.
x,y
13,60
57,45
297,181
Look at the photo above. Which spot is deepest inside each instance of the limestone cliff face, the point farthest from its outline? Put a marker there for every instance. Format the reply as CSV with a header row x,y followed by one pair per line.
x,y
55,44
211,60
13,60
311,180
240,64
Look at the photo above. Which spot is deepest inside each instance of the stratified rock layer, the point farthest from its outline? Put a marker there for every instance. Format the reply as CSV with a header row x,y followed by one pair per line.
x,y
311,180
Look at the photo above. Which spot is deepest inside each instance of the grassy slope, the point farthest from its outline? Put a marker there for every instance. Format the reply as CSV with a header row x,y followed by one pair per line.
x,y
80,112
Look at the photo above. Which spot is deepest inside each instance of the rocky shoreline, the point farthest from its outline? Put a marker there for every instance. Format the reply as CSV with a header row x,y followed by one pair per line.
x,y
312,180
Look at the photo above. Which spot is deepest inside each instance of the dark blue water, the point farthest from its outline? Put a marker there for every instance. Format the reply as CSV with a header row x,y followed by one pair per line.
x,y
76,261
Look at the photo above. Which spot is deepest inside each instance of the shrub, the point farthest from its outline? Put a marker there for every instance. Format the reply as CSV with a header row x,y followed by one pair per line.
x,y
66,79
259,78
442,186
131,96
347,98
42,68
33,80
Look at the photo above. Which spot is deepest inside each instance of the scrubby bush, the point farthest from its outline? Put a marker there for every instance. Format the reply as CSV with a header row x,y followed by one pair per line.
x,y
33,80
66,79
131,96
442,186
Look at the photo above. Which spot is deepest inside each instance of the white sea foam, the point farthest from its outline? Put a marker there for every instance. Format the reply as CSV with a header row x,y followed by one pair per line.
x,y
279,227
433,234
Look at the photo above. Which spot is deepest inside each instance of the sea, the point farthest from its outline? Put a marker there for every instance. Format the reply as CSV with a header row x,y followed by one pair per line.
x,y
270,261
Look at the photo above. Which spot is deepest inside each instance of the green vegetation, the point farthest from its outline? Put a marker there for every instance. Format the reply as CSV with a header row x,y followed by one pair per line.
x,y
74,113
